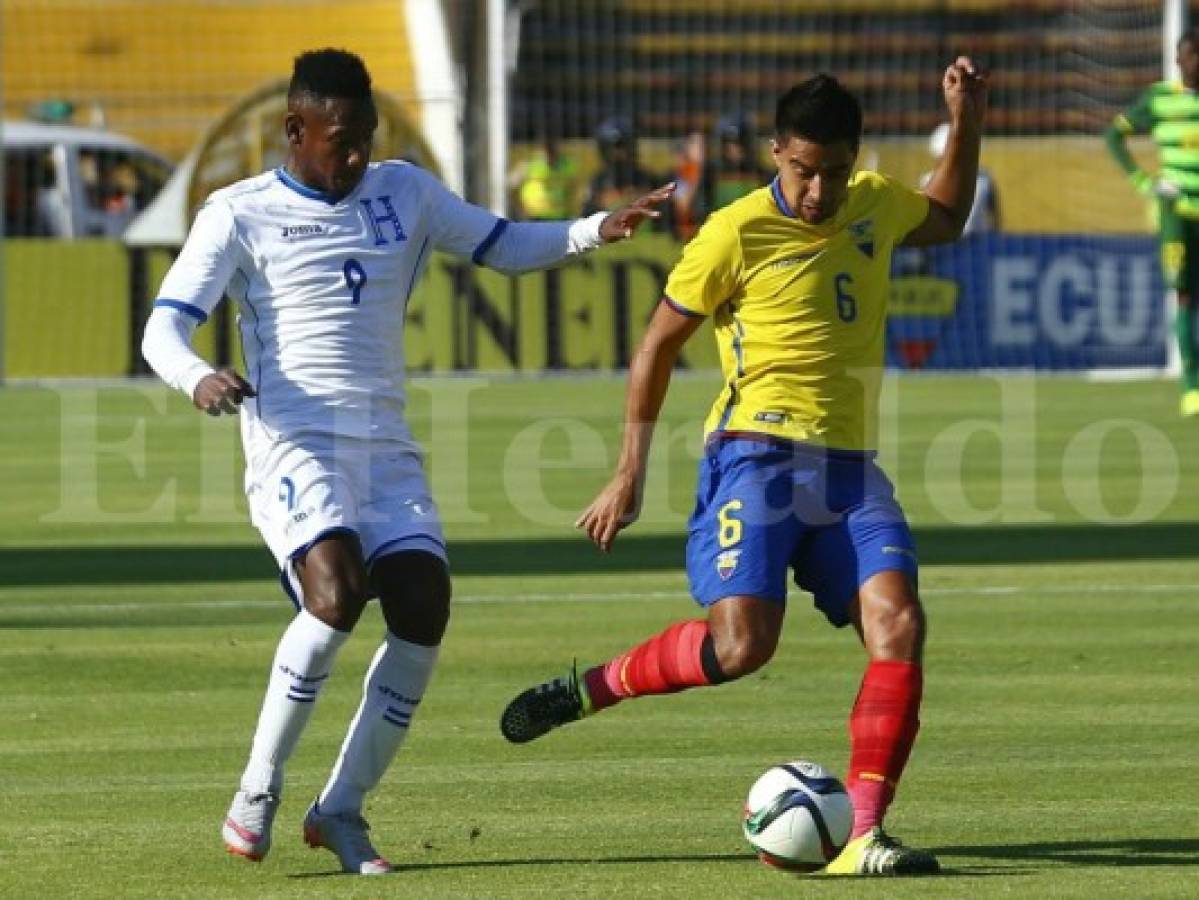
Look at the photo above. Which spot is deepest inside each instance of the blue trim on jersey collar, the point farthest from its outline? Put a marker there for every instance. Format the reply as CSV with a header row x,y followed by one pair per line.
x,y
779,200
304,190
190,309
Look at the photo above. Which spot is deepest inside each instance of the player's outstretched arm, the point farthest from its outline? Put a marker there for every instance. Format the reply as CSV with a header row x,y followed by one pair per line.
x,y
619,503
526,246
621,224
950,190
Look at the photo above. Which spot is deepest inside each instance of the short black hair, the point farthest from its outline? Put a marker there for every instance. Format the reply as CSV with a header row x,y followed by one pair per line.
x,y
330,73
820,110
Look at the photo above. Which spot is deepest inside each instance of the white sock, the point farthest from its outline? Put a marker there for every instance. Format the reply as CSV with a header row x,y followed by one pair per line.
x,y
302,664
394,686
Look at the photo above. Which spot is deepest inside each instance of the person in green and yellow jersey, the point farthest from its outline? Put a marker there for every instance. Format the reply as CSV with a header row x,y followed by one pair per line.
x,y
549,184
1169,111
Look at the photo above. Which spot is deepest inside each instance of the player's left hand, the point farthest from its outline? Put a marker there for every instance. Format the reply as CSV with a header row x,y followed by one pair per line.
x,y
221,392
620,225
965,87
617,506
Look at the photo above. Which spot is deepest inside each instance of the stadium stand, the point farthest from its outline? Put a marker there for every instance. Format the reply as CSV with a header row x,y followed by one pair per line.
x,y
1063,66
119,62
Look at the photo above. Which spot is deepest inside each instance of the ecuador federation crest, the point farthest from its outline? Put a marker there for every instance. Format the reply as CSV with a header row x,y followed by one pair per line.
x,y
726,563
862,235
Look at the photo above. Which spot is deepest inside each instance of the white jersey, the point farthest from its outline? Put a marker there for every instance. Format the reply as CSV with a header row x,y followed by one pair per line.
x,y
322,287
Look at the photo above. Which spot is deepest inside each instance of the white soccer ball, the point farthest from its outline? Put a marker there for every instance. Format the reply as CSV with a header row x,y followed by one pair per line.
x,y
798,816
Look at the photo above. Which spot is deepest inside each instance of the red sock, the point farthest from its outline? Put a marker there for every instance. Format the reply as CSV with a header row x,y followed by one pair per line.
x,y
882,729
671,661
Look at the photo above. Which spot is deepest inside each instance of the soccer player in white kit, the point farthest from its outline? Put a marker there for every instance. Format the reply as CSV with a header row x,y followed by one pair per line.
x,y
321,257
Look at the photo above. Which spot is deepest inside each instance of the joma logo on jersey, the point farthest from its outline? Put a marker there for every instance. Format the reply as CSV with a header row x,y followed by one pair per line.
x,y
790,261
294,232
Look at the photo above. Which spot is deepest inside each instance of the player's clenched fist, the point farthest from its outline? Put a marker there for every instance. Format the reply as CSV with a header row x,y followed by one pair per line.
x,y
221,392
965,88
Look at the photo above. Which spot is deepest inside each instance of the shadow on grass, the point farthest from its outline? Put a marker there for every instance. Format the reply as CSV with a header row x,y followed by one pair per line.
x,y
400,868
25,567
745,858
1130,852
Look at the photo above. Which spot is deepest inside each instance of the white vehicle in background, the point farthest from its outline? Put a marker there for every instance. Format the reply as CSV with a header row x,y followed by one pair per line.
x,y
61,181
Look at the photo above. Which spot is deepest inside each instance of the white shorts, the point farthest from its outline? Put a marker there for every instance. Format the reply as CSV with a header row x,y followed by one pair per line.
x,y
305,487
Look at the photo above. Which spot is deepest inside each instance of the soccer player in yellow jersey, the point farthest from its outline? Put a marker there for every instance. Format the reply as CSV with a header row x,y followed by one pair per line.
x,y
796,276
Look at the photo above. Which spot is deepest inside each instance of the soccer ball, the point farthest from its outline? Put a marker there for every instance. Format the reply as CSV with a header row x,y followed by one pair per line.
x,y
798,816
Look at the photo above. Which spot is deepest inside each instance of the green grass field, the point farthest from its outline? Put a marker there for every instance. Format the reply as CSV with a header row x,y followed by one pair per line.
x,y
138,613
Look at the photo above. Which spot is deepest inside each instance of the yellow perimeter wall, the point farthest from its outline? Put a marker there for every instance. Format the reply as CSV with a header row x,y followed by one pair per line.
x,y
67,306
164,70
68,311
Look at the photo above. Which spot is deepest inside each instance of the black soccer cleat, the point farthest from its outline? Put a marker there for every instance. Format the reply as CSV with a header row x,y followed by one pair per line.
x,y
543,708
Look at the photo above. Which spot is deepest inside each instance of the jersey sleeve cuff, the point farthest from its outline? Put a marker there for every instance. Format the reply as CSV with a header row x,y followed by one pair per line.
x,y
681,309
584,234
190,378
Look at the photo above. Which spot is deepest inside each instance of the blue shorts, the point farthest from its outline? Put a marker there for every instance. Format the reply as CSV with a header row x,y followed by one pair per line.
x,y
763,505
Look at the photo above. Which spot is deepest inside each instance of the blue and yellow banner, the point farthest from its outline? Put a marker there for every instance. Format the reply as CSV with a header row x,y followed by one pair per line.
x,y
1029,302
1056,302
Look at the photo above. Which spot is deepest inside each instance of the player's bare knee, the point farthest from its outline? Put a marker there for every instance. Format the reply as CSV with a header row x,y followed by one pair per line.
x,y
336,596
424,624
895,629
745,632
414,590
743,654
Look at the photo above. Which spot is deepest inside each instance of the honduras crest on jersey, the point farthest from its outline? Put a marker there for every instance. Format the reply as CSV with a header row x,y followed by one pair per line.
x,y
862,235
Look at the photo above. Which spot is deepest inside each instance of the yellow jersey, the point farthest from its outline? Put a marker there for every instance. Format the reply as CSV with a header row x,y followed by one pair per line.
x,y
800,310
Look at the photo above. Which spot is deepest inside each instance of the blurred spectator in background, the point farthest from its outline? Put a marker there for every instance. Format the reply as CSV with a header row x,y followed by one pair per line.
x,y
120,189
620,179
984,215
688,175
735,168
53,217
547,185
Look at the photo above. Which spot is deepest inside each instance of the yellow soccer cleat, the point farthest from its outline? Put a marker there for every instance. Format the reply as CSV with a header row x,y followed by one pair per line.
x,y
1190,403
877,853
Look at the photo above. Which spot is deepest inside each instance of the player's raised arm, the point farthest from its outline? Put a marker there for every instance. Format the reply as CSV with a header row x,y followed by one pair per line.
x,y
619,503
950,190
